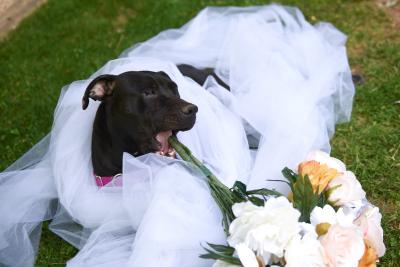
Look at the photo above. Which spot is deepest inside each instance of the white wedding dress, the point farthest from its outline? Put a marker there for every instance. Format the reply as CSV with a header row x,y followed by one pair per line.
x,y
290,83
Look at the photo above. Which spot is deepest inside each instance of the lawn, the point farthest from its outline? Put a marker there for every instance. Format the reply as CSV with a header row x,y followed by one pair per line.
x,y
65,41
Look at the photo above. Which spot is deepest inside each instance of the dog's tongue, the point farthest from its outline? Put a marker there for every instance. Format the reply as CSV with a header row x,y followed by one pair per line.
x,y
162,137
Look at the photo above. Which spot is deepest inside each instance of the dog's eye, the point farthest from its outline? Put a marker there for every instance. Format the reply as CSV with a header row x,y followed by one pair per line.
x,y
149,92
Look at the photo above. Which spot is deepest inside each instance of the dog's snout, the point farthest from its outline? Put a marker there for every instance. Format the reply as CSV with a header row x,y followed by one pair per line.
x,y
189,109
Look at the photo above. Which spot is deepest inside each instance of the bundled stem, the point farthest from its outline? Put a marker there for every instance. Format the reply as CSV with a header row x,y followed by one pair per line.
x,y
222,195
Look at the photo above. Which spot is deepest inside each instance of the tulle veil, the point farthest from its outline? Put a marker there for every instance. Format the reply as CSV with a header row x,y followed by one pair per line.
x,y
290,84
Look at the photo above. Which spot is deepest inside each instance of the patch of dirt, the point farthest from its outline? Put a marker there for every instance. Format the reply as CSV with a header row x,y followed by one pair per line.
x,y
122,18
12,12
391,7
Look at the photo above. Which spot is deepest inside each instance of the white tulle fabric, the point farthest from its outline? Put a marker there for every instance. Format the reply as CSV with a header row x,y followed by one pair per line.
x,y
290,83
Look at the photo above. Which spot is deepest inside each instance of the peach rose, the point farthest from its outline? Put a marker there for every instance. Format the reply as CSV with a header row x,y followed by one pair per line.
x,y
343,246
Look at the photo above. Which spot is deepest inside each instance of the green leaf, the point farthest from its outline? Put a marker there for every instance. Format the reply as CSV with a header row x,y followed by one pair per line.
x,y
238,185
239,197
330,190
304,198
264,192
218,256
227,250
221,252
257,201
322,200
290,175
239,190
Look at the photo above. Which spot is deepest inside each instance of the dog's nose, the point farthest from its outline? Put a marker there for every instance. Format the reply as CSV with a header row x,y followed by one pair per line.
x,y
189,109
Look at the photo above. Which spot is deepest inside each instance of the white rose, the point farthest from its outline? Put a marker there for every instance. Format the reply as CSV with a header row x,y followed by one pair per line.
x,y
348,192
241,208
304,252
246,256
328,215
266,230
325,158
308,229
370,223
343,246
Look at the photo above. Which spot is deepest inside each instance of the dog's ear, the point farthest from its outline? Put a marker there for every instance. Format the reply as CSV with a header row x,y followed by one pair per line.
x,y
163,73
98,89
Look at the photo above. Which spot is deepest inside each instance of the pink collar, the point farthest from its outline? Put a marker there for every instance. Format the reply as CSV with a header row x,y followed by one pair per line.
x,y
104,180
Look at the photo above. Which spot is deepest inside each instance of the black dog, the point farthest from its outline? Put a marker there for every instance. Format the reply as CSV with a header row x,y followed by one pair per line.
x,y
138,112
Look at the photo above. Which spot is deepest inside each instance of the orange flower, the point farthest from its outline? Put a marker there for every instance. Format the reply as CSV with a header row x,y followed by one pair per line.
x,y
319,174
370,257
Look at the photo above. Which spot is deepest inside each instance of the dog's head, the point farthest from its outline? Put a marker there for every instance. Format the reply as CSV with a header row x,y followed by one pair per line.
x,y
140,105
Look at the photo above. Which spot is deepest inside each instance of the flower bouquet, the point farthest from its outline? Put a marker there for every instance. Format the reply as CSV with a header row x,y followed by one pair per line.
x,y
325,220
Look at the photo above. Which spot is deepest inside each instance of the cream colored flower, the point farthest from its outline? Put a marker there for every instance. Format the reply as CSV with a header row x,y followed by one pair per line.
x,y
370,224
266,230
304,252
343,246
348,190
328,215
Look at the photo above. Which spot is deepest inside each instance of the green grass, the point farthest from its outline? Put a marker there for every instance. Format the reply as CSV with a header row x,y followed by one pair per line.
x,y
65,41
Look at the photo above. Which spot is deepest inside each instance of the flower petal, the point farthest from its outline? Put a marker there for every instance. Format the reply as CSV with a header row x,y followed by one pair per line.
x,y
246,256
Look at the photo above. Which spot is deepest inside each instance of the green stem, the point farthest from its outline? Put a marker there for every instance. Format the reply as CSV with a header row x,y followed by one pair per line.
x,y
222,195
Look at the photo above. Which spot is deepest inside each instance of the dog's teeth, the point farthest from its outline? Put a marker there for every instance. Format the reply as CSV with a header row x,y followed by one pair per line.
x,y
172,154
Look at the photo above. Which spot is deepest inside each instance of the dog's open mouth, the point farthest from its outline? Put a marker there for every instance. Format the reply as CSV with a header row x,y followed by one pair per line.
x,y
164,148
175,125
